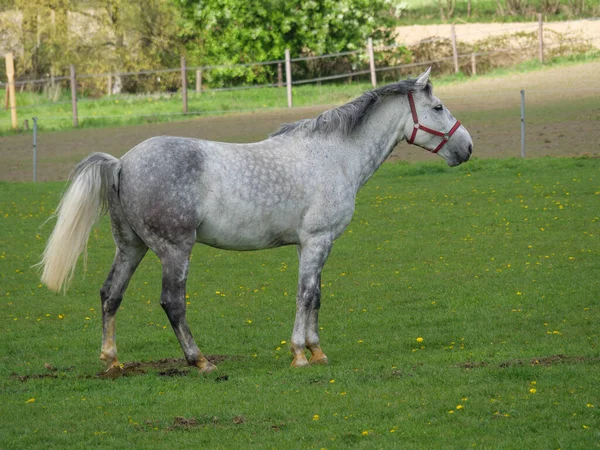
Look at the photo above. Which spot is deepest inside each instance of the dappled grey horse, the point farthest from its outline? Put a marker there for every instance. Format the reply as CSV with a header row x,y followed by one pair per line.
x,y
298,187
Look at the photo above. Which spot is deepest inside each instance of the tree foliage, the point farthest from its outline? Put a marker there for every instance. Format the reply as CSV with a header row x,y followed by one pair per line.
x,y
114,36
225,32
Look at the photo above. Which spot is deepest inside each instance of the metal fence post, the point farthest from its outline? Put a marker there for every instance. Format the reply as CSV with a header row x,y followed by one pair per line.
x,y
522,123
184,85
288,77
372,62
34,149
74,96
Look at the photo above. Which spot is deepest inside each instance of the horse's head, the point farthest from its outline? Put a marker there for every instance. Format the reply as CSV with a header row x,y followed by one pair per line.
x,y
431,125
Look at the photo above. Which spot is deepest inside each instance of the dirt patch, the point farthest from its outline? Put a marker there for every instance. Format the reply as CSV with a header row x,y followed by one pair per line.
x,y
546,361
165,367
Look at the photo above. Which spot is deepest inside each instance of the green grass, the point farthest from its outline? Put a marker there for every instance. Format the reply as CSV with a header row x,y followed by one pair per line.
x,y
494,264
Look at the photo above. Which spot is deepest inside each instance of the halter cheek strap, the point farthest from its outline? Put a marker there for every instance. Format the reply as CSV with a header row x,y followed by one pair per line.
x,y
417,126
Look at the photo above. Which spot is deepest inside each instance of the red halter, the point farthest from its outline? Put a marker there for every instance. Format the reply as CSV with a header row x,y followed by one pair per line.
x,y
417,126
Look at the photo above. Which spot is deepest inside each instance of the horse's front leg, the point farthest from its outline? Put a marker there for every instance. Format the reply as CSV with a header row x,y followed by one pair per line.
x,y
312,256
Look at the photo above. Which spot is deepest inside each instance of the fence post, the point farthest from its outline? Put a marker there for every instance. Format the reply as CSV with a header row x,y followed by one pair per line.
x,y
34,149
10,89
109,85
199,81
372,62
74,96
288,77
522,123
473,65
454,50
184,85
279,75
541,37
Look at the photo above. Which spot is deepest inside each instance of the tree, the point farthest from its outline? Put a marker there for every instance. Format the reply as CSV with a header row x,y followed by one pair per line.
x,y
219,32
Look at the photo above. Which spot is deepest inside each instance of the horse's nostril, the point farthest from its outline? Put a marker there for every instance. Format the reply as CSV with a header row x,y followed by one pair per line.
x,y
470,149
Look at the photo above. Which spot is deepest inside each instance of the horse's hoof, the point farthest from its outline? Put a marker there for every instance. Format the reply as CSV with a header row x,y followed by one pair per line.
x,y
111,361
318,357
205,366
299,361
113,372
320,361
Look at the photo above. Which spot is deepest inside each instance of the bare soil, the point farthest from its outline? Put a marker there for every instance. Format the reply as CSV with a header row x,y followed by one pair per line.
x,y
562,120
588,30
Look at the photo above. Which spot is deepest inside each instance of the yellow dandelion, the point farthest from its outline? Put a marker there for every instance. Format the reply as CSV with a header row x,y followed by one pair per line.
x,y
31,400
419,340
365,433
316,417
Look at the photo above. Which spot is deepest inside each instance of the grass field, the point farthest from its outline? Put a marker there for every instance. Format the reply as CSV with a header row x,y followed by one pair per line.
x,y
460,310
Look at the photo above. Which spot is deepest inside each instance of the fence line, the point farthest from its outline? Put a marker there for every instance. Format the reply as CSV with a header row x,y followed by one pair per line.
x,y
364,55
503,93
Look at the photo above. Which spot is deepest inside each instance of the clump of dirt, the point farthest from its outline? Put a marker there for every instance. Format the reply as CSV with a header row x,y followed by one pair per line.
x,y
546,361
183,423
53,372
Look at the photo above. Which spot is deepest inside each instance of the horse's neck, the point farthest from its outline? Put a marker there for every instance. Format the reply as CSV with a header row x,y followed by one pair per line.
x,y
373,142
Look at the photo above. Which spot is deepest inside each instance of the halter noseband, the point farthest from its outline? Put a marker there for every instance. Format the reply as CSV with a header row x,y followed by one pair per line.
x,y
417,126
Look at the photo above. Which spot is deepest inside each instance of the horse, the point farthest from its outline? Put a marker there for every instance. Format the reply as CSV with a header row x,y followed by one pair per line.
x,y
297,187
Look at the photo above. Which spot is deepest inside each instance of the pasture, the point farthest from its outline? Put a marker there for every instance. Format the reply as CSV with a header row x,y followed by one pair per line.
x,y
460,309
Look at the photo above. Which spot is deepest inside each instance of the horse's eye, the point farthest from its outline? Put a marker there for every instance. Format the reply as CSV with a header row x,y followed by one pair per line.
x,y
439,107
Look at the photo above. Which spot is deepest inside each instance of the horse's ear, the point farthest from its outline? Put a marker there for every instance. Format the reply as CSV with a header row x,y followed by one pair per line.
x,y
424,78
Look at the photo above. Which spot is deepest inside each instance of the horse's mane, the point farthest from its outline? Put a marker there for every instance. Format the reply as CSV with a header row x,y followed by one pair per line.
x,y
348,117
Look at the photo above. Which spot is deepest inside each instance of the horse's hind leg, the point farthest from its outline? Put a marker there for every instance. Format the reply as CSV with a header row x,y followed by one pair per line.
x,y
175,261
126,261
130,251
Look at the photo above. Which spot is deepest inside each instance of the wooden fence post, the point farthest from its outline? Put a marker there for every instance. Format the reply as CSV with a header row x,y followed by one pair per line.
x,y
288,77
184,85
454,49
372,62
10,89
109,85
279,75
74,96
541,37
199,81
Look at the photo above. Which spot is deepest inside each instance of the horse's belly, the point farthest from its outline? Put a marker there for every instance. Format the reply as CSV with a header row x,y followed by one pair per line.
x,y
244,235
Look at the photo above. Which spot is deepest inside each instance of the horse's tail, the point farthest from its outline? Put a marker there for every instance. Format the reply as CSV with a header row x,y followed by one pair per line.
x,y
85,201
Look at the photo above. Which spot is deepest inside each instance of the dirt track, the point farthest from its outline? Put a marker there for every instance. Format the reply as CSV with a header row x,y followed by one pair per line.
x,y
562,119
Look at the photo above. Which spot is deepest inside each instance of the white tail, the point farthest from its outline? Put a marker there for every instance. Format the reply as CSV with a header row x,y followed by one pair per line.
x,y
82,205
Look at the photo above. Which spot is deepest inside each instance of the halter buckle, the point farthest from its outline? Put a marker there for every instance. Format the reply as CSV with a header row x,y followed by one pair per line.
x,y
416,125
